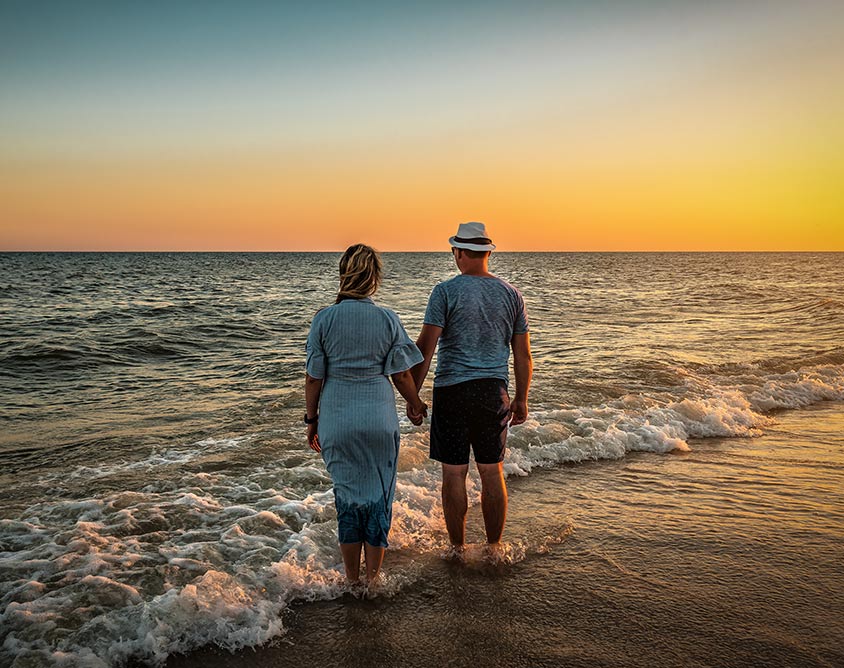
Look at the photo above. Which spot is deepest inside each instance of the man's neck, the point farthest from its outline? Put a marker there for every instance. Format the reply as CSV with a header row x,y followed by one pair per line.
x,y
476,270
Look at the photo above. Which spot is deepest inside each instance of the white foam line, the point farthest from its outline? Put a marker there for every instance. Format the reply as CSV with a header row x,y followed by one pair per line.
x,y
169,457
145,574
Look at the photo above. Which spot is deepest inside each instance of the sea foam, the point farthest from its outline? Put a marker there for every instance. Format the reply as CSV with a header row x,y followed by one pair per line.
x,y
219,557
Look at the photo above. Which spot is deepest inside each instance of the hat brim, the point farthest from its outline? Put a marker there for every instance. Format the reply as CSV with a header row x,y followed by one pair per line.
x,y
474,247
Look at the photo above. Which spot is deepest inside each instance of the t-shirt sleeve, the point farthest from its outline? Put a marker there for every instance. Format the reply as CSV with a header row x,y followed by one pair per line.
x,y
403,353
521,325
314,351
436,312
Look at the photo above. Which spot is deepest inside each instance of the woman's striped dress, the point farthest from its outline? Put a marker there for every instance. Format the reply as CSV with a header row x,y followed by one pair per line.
x,y
355,346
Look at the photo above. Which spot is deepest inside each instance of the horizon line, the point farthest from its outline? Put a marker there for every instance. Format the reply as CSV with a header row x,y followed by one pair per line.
x,y
340,250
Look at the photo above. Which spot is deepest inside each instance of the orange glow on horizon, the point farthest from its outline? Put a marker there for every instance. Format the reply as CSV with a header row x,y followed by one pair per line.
x,y
635,201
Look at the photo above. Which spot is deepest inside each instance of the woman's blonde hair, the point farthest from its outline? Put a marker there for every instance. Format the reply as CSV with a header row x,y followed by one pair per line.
x,y
360,272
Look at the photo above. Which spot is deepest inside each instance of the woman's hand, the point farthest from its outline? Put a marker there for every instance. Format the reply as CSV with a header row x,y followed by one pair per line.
x,y
417,412
313,388
313,438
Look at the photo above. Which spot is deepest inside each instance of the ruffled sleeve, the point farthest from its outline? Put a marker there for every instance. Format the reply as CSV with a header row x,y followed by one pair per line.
x,y
402,357
403,354
314,352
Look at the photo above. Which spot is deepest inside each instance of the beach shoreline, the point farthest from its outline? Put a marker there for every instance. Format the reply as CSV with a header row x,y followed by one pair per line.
x,y
648,578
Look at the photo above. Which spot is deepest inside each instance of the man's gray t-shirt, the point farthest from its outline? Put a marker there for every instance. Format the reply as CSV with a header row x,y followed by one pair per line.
x,y
479,316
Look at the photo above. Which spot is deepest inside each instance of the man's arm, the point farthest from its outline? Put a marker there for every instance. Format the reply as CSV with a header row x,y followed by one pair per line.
x,y
416,408
523,368
427,344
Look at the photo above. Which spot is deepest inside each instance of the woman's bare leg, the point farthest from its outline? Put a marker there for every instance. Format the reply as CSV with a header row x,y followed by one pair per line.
x,y
351,560
374,558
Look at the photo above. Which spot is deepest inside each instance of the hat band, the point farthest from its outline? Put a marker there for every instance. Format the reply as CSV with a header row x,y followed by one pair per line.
x,y
474,240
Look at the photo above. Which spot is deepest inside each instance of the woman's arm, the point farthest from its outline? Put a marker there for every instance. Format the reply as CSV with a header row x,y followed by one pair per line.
x,y
417,409
313,388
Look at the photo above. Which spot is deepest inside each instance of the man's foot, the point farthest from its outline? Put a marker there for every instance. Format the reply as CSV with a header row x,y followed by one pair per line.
x,y
495,553
455,553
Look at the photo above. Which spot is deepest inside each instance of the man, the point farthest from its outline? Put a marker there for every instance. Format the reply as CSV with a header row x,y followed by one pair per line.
x,y
476,318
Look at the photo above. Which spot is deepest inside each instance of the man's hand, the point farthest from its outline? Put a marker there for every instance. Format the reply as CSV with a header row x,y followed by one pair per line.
x,y
313,438
518,412
523,368
417,413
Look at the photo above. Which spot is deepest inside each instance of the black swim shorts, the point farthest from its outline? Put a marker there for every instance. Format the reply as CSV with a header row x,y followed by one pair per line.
x,y
474,413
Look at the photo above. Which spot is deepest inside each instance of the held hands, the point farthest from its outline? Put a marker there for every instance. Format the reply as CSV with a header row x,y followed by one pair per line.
x,y
417,413
313,438
518,412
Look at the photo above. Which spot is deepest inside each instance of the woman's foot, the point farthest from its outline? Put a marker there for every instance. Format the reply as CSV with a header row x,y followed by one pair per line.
x,y
374,585
374,558
355,587
351,560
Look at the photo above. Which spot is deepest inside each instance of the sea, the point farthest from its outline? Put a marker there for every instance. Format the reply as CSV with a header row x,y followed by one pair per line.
x,y
681,467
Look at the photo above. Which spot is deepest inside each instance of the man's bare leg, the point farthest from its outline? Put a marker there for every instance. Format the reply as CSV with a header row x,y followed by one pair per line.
x,y
493,501
351,560
374,558
455,503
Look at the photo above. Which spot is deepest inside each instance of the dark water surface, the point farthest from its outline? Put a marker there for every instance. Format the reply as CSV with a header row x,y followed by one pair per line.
x,y
157,494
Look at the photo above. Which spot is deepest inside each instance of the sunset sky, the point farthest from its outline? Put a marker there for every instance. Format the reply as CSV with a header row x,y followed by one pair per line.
x,y
309,126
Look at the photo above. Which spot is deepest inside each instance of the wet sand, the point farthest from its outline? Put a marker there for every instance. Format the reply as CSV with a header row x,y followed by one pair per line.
x,y
729,555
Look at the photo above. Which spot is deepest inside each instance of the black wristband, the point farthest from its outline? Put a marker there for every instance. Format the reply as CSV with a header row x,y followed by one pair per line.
x,y
312,420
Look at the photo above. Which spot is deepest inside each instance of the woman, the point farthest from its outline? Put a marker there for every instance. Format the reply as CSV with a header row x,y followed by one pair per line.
x,y
354,348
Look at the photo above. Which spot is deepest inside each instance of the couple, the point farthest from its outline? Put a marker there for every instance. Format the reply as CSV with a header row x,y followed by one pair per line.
x,y
354,346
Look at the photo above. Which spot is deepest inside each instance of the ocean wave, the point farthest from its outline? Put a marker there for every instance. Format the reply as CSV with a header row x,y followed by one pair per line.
x,y
737,405
246,330
169,457
217,557
143,575
758,369
144,309
74,355
813,306
139,352
50,357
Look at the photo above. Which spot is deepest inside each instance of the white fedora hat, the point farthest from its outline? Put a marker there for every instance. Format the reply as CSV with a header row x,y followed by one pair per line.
x,y
472,236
